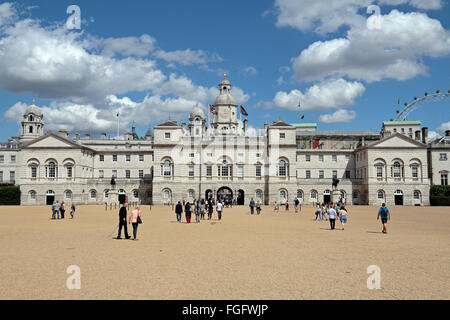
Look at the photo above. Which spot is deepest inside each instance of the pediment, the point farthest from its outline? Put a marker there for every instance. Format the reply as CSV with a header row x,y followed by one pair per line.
x,y
398,141
52,141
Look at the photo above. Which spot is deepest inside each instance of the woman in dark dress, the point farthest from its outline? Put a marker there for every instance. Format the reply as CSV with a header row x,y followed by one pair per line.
x,y
187,210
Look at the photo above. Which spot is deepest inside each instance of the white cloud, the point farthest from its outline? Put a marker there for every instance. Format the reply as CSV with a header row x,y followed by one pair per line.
x,y
443,127
394,51
250,70
432,135
322,96
188,57
125,46
7,13
420,4
341,115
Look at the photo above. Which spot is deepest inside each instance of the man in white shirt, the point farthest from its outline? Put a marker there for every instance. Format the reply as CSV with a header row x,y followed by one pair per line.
x,y
219,209
332,216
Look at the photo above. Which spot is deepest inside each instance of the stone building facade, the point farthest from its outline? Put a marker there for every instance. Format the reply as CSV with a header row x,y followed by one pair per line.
x,y
224,158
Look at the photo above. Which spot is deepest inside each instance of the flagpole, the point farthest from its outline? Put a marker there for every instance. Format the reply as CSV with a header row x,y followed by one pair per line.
x,y
118,124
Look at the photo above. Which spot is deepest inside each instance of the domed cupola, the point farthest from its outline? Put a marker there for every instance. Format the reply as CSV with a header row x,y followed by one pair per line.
x,y
225,118
197,122
32,123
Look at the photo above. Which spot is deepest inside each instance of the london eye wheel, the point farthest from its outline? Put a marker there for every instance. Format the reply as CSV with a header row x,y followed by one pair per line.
x,y
427,98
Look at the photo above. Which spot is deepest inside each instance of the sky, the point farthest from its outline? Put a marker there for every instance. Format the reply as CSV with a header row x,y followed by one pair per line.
x,y
347,63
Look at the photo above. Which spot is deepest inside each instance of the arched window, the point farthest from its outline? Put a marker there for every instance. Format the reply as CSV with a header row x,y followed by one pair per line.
x,y
225,169
52,170
397,169
106,193
136,194
299,194
283,195
258,194
416,195
282,168
167,168
32,195
93,194
380,195
30,129
30,118
313,194
68,194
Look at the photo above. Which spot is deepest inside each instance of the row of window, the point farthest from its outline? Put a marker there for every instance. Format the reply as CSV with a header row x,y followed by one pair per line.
x,y
101,174
12,159
381,195
127,157
12,176
321,157
223,170
92,194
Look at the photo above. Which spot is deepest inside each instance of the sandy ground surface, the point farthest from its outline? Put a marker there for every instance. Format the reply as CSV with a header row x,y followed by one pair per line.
x,y
272,256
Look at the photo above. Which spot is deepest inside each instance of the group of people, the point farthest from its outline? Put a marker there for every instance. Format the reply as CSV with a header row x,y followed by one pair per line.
x,y
254,205
134,219
297,206
199,208
60,208
334,211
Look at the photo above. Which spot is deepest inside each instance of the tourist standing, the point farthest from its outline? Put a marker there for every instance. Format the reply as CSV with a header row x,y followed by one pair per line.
x,y
57,206
332,216
324,212
318,212
252,206
54,210
296,204
219,209
187,212
343,216
276,207
197,211
202,209
123,222
134,220
72,210
62,209
258,207
385,216
179,211
210,209
287,205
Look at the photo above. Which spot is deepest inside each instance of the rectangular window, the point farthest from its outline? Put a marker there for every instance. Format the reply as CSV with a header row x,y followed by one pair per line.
x,y
13,159
1,176
114,173
321,174
258,155
443,156
415,172
33,172
127,174
240,171
258,171
347,157
335,174
444,179
69,172
101,174
191,171
379,172
141,174
282,135
209,171
141,157
308,174
334,158
308,158
321,157
102,158
128,158
114,157
12,176
416,195
192,155
167,135
2,159
347,174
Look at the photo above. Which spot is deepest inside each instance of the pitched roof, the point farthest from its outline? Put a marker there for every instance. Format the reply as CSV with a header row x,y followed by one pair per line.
x,y
280,123
168,123
401,136
51,134
402,122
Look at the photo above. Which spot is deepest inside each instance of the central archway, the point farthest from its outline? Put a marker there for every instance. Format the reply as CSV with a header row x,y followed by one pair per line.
x,y
208,194
241,197
224,193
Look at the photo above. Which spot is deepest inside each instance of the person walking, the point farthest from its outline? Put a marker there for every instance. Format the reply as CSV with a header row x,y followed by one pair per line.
x,y
287,205
62,209
135,217
324,212
276,207
252,206
179,211
385,216
296,204
197,211
210,209
187,212
54,210
318,211
72,210
123,222
343,216
57,206
258,207
332,216
219,209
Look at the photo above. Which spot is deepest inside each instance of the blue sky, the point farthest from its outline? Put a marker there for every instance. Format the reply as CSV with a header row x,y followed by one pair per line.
x,y
155,59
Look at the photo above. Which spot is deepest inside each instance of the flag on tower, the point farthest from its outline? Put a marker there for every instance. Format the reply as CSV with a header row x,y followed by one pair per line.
x,y
316,143
211,109
243,111
117,114
303,117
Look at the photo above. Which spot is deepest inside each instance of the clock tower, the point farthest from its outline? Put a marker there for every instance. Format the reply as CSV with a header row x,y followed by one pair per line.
x,y
225,118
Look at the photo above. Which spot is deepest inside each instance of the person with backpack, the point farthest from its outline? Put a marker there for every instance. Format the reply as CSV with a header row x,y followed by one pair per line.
x,y
179,211
252,206
258,207
72,210
385,216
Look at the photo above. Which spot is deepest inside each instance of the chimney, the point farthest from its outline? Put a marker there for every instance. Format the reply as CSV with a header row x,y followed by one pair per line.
x,y
245,126
447,133
77,136
266,125
425,135
63,133
417,137
363,142
88,136
103,136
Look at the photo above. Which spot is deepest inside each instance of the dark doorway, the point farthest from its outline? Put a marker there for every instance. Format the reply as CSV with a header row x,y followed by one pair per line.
x,y
326,198
122,198
50,200
398,198
208,194
241,197
224,193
